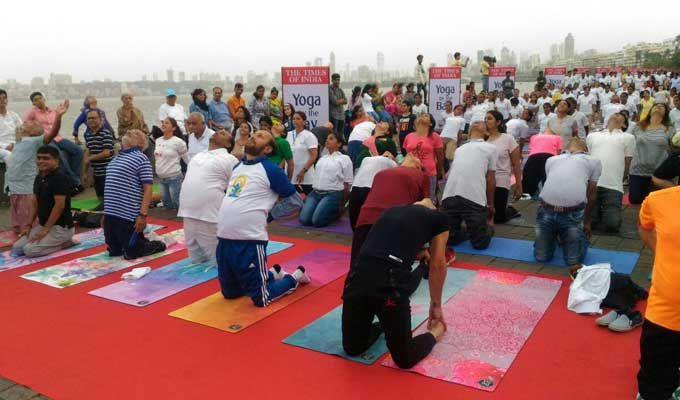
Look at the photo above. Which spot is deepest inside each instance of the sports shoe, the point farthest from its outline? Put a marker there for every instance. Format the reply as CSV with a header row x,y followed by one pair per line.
x,y
277,272
608,318
625,323
300,275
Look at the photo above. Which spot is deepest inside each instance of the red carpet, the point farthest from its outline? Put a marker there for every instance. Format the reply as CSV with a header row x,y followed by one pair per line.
x,y
70,345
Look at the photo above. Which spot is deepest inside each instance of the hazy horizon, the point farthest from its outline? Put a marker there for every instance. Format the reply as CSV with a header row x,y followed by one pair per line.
x,y
130,39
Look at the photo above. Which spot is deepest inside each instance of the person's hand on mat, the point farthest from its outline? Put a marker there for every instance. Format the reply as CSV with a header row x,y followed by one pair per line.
x,y
140,224
437,329
518,191
39,236
24,231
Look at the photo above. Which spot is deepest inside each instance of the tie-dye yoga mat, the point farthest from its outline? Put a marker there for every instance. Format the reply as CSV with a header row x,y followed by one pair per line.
x,y
76,271
325,334
340,226
234,315
7,238
85,240
167,281
488,322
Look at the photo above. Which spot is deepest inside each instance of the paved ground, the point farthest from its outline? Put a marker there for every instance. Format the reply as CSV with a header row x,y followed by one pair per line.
x,y
627,241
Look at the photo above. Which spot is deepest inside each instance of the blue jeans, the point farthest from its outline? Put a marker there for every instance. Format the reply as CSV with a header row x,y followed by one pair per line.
x,y
287,206
568,227
321,208
485,84
171,187
71,157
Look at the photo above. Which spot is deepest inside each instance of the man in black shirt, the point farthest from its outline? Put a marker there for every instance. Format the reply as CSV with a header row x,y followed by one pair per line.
x,y
381,282
666,173
52,207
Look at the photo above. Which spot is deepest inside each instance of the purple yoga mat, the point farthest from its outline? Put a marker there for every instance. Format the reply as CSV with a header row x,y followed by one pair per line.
x,y
340,226
488,322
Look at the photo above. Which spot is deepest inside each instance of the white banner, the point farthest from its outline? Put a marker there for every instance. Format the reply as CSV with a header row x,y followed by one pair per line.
x,y
444,85
306,88
497,75
555,75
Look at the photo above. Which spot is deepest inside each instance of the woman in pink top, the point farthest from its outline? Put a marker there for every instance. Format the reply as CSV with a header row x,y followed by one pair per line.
x,y
508,164
425,144
542,146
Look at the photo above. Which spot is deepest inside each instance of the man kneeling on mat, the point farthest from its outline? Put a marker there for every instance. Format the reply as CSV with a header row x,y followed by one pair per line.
x,y
381,282
52,207
254,186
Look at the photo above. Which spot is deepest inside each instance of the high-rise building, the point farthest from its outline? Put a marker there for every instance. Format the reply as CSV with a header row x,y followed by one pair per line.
x,y
318,61
182,76
170,74
569,46
155,76
480,56
144,78
505,56
380,63
331,57
60,79
37,82
554,51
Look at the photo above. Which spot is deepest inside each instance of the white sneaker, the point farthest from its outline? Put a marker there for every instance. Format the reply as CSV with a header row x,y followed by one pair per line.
x,y
300,275
277,272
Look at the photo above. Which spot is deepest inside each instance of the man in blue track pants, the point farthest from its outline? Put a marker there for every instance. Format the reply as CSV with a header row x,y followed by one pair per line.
x,y
254,187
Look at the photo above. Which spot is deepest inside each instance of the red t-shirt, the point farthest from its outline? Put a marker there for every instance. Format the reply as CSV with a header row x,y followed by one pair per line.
x,y
393,187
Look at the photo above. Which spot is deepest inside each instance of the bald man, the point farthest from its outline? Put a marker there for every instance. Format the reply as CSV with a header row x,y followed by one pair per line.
x,y
199,134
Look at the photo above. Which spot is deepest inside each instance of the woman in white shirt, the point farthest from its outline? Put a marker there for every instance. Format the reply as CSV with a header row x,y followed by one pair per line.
x,y
544,116
170,149
305,147
367,102
363,180
333,177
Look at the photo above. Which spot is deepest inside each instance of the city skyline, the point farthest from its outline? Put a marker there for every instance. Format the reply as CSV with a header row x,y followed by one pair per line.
x,y
159,40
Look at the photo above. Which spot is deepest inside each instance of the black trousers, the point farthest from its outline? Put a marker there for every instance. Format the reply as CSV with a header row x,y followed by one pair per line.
x,y
358,239
117,235
394,314
357,198
306,189
459,209
659,362
500,204
534,173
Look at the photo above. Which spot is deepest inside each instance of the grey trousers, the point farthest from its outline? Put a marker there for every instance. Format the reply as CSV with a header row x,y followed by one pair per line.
x,y
606,214
58,238
201,240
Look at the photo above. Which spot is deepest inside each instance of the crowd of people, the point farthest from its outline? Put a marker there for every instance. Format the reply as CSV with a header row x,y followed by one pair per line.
x,y
413,183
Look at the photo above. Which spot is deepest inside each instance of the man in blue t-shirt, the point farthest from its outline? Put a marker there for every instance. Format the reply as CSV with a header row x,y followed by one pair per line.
x,y
255,185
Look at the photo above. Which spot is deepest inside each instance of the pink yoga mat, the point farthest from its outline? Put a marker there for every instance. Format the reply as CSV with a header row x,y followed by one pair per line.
x,y
488,322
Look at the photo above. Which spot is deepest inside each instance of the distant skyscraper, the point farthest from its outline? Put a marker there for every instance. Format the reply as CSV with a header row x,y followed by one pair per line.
x,y
182,76
170,74
347,71
37,82
155,76
505,56
569,47
144,78
449,58
554,51
380,64
480,56
331,57
318,62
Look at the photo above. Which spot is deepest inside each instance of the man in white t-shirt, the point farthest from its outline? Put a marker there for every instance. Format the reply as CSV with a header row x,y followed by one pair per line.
x,y
241,253
615,150
611,108
452,131
587,103
516,108
199,134
519,129
480,109
544,99
675,113
173,110
207,177
582,121
503,105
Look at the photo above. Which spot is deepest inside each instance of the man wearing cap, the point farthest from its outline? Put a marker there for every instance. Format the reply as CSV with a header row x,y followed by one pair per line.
x,y
173,110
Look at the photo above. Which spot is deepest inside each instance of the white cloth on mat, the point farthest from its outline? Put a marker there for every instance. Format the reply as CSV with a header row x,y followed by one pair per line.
x,y
136,273
589,289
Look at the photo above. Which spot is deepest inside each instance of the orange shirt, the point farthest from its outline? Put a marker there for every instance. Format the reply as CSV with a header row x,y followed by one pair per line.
x,y
660,212
233,103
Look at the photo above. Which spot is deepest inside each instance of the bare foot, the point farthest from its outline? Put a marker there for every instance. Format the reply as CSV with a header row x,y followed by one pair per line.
x,y
437,329
573,269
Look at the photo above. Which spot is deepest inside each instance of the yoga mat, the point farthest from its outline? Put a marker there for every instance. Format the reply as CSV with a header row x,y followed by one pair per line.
x,y
7,238
488,322
86,240
80,270
523,250
325,334
323,266
85,204
166,281
340,226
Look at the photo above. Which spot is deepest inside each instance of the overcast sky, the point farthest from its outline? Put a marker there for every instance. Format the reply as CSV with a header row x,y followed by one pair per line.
x,y
124,39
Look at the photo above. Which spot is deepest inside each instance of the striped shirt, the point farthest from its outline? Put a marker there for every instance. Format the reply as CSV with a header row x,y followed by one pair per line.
x,y
97,143
123,189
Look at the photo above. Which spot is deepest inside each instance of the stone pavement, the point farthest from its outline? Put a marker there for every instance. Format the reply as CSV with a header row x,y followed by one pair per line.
x,y
522,229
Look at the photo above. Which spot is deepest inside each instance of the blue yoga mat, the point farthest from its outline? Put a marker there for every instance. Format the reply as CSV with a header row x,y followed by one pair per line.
x,y
325,334
523,250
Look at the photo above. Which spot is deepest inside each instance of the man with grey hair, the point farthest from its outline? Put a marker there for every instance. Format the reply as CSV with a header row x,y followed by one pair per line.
x,y
127,194
469,191
199,135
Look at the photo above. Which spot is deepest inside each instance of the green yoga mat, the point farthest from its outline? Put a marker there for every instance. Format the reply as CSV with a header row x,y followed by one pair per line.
x,y
85,204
